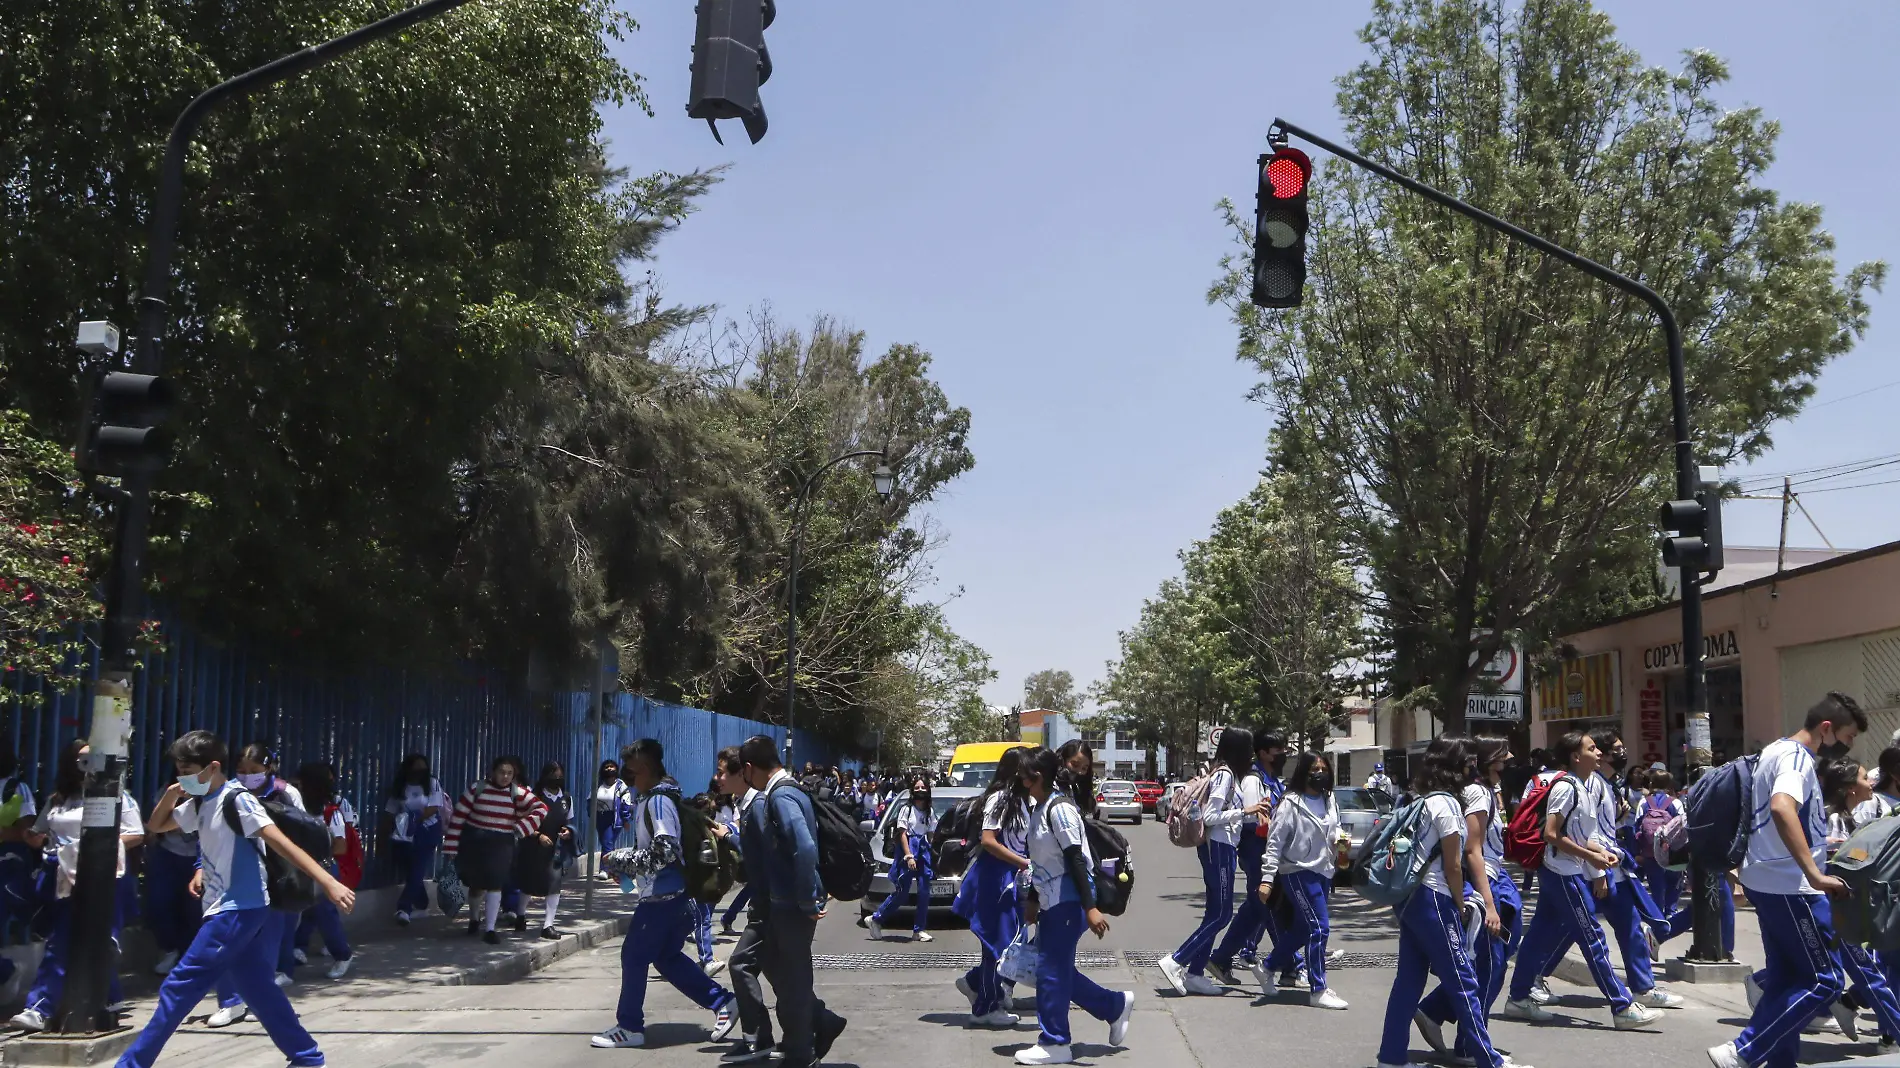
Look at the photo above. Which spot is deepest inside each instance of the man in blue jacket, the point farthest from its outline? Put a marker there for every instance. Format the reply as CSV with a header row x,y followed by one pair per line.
x,y
779,844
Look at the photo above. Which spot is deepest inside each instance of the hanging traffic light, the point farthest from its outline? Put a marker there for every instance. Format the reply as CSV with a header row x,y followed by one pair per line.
x,y
1279,232
121,433
1696,526
730,63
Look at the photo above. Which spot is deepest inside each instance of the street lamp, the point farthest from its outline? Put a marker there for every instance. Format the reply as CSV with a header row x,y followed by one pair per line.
x,y
884,482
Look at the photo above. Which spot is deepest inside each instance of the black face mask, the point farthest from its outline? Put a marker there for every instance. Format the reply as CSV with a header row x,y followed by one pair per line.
x,y
1278,765
609,776
1319,781
920,800
1618,762
1833,750
557,784
419,777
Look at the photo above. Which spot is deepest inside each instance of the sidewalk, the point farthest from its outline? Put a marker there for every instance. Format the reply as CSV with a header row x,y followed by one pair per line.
x,y
1748,950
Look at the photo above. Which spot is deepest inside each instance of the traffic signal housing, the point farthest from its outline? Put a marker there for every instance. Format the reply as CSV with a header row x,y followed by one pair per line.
x,y
1695,526
730,63
1279,230
122,432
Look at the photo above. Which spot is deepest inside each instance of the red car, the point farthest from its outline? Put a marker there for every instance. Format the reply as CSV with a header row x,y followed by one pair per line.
x,y
1149,794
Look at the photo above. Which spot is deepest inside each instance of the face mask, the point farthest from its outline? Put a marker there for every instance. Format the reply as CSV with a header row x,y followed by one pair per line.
x,y
1834,750
194,784
920,800
419,777
609,776
253,780
1618,760
557,784
1320,781
1278,765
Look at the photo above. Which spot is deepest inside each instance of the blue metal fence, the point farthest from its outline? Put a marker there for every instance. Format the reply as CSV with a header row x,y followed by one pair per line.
x,y
364,722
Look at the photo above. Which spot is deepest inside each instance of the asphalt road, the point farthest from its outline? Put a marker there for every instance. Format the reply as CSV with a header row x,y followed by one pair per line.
x,y
905,1012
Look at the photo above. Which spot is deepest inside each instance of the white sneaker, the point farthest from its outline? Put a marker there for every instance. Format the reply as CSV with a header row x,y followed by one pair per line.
x,y
1293,980
28,1020
714,967
921,936
1823,1025
1753,990
1504,1061
227,1016
1724,1056
119,1008
1325,999
999,1020
1202,986
1658,998
1540,992
165,964
283,979
1635,1016
725,1018
1118,1031
402,919
1174,973
1045,1055
876,929
1528,1009
300,956
1850,1023
340,968
1262,975
1333,955
618,1038
968,991
1431,1030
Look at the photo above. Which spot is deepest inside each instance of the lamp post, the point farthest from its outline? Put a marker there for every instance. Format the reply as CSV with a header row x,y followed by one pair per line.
x,y
884,483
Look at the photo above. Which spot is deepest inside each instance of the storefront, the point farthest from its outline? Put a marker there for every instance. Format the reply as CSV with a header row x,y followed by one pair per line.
x,y
1771,647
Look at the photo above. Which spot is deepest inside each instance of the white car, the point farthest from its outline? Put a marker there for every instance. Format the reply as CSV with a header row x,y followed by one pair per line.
x,y
943,888
1116,799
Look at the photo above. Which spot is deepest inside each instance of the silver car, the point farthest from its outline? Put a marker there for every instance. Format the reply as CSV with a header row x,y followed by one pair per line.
x,y
1360,810
1116,799
943,888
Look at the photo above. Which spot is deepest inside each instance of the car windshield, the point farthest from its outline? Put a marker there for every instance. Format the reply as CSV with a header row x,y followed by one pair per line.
x,y
973,775
1147,786
1117,788
1360,799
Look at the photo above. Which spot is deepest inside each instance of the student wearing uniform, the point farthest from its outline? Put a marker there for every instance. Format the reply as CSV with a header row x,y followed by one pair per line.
x,y
910,865
1061,904
988,896
663,919
236,937
18,813
1079,758
1431,925
1781,873
1569,885
415,815
1487,883
172,911
1886,792
488,818
703,912
1844,787
318,782
541,859
737,796
744,964
56,831
257,775
1259,786
610,801
1626,904
1222,815
1299,863
1665,886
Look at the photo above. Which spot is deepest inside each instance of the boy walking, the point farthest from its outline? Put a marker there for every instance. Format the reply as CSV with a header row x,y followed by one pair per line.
x,y
239,936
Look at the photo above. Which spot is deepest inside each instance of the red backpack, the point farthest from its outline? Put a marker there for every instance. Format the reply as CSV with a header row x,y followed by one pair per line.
x,y
1524,836
349,866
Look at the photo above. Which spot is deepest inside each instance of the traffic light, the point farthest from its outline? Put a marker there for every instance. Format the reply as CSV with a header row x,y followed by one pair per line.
x,y
730,63
121,433
1279,230
1697,530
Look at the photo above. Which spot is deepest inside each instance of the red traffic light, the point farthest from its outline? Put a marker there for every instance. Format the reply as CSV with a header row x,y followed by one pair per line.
x,y
1286,173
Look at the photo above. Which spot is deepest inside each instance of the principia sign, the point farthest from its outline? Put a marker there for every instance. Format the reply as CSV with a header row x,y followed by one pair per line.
x,y
1718,646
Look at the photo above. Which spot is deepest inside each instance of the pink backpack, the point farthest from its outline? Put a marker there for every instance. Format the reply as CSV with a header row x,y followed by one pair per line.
x,y
1187,826
1653,821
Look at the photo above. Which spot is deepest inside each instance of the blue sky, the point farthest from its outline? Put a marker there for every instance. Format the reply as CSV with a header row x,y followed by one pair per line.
x,y
1026,190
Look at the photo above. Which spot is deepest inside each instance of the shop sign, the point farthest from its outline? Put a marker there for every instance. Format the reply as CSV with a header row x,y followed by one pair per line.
x,y
1649,721
1499,707
1721,645
1585,688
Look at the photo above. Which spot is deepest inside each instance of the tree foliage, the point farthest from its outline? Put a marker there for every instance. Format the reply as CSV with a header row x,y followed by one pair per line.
x,y
1495,424
1053,689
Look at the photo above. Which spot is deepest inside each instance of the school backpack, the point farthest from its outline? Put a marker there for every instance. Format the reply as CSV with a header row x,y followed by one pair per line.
x,y
1187,826
1721,808
1869,862
1393,866
1524,835
709,863
290,889
349,866
958,836
845,863
1114,866
1652,820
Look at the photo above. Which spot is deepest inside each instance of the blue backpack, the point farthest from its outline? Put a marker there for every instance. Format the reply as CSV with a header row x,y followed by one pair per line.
x,y
1721,807
1391,866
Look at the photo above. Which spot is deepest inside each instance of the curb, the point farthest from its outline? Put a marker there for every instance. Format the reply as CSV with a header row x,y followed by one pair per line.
x,y
529,959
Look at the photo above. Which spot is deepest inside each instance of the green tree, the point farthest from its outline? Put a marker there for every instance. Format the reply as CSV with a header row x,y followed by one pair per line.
x,y
1052,689
48,545
1496,425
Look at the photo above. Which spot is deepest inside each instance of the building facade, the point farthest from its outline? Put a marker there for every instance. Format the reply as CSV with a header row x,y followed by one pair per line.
x,y
1116,755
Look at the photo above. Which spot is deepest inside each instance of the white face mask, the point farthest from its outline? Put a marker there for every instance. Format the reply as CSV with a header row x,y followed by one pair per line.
x,y
195,785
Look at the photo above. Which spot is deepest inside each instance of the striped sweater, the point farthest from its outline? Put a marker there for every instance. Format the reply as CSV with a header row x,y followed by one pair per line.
x,y
505,810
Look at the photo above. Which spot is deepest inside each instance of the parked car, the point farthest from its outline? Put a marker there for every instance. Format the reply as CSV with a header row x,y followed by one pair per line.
x,y
1149,793
943,887
1360,812
1167,799
1115,799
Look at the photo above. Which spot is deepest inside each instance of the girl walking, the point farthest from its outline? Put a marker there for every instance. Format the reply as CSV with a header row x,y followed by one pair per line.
x,y
1431,940
487,819
1076,755
1185,967
542,857
319,788
611,798
1299,864
910,864
415,814
1660,806
988,896
1061,904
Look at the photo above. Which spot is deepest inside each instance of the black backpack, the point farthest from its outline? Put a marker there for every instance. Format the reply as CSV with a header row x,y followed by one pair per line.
x,y
709,861
290,889
845,863
958,836
1114,873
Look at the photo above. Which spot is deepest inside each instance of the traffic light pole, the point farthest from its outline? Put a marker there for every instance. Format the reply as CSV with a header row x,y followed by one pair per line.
x,y
1706,899
93,960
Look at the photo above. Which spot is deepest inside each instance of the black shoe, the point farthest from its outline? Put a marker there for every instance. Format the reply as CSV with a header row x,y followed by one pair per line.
x,y
550,933
491,937
748,1052
474,925
727,929
827,1032
521,923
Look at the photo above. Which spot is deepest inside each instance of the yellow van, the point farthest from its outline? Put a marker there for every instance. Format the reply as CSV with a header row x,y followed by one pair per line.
x,y
974,763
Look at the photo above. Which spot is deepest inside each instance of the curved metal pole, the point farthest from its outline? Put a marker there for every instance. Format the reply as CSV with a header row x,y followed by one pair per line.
x,y
791,596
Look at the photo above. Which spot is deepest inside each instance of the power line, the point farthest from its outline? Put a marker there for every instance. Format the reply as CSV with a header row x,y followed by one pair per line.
x,y
1862,393
1768,478
1843,474
1863,485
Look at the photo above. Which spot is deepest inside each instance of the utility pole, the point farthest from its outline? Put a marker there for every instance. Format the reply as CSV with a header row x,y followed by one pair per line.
x,y
94,957
1705,885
